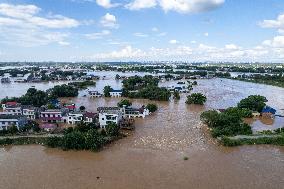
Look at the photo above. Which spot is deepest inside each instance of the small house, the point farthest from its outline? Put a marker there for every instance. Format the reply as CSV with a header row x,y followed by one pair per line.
x,y
268,112
115,93
7,121
109,115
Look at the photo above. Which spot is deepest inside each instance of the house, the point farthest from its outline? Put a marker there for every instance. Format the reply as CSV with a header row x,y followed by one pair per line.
x,y
48,127
131,112
109,115
268,112
115,93
255,114
75,117
95,94
70,107
12,108
30,112
89,117
51,116
7,121
5,80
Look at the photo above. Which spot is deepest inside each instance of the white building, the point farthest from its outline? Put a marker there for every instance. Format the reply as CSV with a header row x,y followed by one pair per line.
x,y
95,94
12,108
109,115
7,121
51,116
115,93
75,117
130,112
29,112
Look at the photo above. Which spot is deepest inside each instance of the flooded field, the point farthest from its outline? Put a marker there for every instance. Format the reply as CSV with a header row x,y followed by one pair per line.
x,y
152,155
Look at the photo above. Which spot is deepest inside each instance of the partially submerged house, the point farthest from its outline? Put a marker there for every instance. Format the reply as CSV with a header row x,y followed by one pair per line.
x,y
268,112
115,93
109,115
95,94
131,112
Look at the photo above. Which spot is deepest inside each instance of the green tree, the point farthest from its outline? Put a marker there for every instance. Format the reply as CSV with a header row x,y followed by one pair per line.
x,y
124,102
152,107
112,129
196,98
93,140
12,129
253,102
117,77
176,95
64,91
107,90
82,108
74,140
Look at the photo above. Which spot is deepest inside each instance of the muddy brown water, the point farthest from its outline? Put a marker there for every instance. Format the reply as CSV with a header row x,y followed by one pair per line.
x,y
152,155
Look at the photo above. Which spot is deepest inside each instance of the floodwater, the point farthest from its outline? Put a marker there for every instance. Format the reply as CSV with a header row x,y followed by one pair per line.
x,y
152,155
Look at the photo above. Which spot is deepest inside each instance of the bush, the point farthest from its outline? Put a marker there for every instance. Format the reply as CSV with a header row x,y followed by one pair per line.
x,y
124,102
253,102
196,98
112,129
54,142
152,107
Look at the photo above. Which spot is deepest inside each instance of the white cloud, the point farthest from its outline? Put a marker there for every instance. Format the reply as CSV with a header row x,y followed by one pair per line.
x,y
202,52
206,34
138,34
106,4
182,6
277,41
98,35
173,41
21,25
141,4
231,47
154,29
277,23
193,42
162,34
109,21
126,52
27,14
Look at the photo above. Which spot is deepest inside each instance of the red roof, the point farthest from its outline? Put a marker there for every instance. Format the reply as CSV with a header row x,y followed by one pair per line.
x,y
11,103
90,114
71,106
50,118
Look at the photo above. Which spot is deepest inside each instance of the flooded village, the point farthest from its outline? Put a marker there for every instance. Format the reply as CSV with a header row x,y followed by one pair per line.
x,y
169,148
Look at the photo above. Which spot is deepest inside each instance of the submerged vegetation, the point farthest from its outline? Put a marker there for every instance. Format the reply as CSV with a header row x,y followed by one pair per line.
x,y
145,87
196,98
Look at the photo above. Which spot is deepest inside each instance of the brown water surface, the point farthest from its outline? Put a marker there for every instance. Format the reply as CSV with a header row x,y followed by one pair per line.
x,y
152,156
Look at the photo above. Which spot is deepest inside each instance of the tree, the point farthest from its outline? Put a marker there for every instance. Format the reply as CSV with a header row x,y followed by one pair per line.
x,y
107,90
112,129
227,123
82,108
253,102
196,98
194,83
93,140
117,77
74,140
152,107
64,91
176,95
124,102
12,129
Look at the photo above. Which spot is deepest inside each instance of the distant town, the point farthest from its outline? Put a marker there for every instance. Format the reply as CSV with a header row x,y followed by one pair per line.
x,y
51,118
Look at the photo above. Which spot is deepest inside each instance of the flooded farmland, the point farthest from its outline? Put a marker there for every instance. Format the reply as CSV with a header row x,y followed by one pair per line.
x,y
152,155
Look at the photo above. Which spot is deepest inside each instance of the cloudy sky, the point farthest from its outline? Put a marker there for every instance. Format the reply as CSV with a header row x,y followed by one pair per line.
x,y
123,30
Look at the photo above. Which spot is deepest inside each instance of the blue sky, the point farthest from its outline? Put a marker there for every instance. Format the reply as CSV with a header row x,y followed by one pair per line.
x,y
123,30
